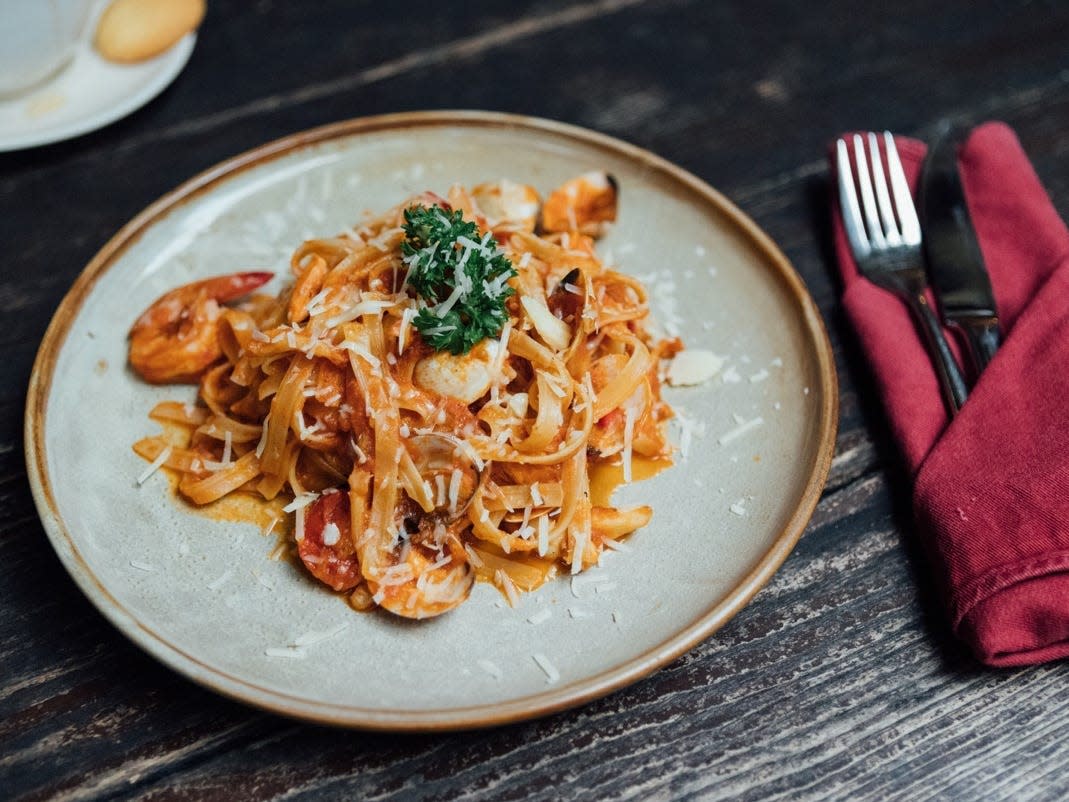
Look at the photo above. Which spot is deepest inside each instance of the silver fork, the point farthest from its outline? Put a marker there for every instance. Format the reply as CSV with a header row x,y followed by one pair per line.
x,y
887,246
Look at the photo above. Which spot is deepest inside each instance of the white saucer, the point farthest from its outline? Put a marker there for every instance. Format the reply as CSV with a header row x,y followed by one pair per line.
x,y
88,94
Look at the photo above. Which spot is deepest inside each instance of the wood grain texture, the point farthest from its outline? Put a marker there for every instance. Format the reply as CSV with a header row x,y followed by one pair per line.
x,y
839,681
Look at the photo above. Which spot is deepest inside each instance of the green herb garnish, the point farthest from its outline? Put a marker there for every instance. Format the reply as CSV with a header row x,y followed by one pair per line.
x,y
461,276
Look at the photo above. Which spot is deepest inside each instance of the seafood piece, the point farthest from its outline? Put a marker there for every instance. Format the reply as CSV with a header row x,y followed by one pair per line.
x,y
414,574
506,204
327,549
431,574
582,204
424,585
443,462
465,377
176,339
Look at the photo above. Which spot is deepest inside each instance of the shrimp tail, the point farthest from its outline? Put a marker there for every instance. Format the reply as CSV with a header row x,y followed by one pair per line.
x,y
235,285
175,339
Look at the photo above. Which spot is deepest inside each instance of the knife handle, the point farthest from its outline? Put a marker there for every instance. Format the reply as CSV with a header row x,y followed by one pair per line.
x,y
982,338
951,380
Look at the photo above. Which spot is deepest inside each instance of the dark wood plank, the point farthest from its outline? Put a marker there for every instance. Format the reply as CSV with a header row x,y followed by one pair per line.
x,y
838,681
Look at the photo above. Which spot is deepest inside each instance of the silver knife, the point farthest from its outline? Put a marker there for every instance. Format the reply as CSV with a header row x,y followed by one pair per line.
x,y
955,263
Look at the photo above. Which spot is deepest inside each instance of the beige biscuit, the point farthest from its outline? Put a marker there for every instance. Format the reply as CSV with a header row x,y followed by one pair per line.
x,y
135,30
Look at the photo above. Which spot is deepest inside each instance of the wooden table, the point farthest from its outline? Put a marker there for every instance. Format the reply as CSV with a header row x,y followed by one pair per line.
x,y
840,680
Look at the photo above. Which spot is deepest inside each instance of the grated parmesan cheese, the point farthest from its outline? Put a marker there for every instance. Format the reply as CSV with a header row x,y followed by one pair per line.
x,y
331,534
541,616
578,548
507,585
215,584
543,535
285,651
468,450
441,562
300,502
592,580
454,489
473,555
228,445
552,675
744,427
313,637
298,530
693,366
155,465
406,321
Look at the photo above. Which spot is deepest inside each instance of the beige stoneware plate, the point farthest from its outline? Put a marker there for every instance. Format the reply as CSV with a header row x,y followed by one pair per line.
x,y
203,597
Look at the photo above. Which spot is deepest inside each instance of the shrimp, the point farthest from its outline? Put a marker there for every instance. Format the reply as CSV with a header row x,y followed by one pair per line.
x,y
582,204
414,562
507,206
424,585
465,378
176,339
432,575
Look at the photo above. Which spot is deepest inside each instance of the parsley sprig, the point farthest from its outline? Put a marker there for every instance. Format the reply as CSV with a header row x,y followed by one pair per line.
x,y
458,274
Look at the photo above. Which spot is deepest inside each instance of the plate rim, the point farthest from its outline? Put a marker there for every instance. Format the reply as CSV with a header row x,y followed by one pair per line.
x,y
173,61
432,720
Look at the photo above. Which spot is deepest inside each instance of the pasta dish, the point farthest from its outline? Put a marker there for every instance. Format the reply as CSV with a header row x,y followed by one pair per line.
x,y
429,394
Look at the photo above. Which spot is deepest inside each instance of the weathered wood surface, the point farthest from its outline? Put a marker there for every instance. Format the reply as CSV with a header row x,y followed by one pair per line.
x,y
840,680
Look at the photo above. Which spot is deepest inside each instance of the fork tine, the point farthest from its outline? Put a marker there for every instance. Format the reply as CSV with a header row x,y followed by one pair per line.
x,y
868,202
887,211
855,228
911,227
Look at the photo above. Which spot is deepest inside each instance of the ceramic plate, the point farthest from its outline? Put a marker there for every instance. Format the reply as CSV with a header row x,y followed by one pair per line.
x,y
203,596
88,94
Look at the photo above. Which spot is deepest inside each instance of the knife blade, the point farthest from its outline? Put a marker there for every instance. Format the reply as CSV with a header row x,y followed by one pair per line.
x,y
956,265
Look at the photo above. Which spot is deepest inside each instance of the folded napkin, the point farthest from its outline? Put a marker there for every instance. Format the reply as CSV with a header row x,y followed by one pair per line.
x,y
991,486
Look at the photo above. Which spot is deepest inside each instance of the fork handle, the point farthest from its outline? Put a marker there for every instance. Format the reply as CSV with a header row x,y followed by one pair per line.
x,y
951,380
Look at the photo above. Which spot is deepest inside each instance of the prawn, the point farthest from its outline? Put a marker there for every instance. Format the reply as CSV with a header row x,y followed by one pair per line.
x,y
424,585
176,339
583,204
416,565
431,576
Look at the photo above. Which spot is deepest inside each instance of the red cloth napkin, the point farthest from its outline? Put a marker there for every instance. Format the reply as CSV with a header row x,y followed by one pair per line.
x,y
991,486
